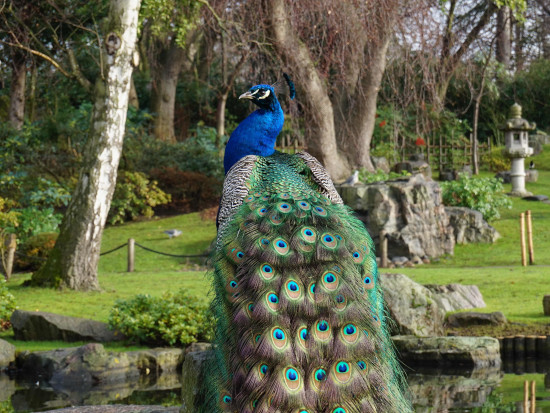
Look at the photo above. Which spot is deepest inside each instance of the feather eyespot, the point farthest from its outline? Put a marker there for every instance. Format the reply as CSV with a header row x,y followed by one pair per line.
x,y
339,410
267,272
368,282
285,195
308,234
362,365
281,246
342,371
249,199
302,337
358,257
284,207
311,291
263,370
322,330
320,211
340,302
350,334
304,206
279,338
293,290
329,241
330,281
292,379
261,211
275,219
272,301
320,375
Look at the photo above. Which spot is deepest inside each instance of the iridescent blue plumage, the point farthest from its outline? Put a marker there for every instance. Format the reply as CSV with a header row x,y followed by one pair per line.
x,y
256,135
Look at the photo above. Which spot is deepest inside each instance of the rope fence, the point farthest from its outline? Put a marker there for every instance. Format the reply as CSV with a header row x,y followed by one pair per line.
x,y
10,247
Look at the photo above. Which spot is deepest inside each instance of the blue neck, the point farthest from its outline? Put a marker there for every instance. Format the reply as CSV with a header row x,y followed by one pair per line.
x,y
256,135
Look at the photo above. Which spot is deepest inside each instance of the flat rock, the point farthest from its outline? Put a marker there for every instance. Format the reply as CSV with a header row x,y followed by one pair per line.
x,y
7,353
476,319
467,352
536,198
454,297
412,306
38,325
469,226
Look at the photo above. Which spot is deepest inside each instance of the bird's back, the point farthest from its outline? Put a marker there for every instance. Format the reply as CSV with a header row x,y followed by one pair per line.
x,y
300,323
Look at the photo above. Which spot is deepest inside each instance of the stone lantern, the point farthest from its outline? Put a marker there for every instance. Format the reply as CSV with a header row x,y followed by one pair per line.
x,y
516,135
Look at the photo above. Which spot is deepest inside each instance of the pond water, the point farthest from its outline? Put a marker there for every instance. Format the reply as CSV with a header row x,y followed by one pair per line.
x,y
433,391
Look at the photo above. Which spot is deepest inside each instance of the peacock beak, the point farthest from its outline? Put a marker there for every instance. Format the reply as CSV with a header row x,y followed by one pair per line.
x,y
247,95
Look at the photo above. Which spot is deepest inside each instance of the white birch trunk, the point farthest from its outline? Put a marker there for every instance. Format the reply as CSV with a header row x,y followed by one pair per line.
x,y
73,262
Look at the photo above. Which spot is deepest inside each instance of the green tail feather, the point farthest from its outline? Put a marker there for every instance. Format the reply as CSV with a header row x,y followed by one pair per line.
x,y
300,318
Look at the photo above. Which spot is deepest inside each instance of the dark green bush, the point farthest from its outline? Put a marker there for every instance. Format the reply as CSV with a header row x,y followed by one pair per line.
x,y
135,196
190,191
173,319
485,195
7,305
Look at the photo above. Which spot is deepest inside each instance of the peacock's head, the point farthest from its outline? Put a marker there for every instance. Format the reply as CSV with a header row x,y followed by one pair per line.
x,y
261,95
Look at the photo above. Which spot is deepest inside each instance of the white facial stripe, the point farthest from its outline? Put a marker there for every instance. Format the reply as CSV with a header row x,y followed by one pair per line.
x,y
256,91
266,94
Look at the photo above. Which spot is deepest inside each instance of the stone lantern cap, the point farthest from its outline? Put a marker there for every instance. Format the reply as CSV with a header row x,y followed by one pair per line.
x,y
516,122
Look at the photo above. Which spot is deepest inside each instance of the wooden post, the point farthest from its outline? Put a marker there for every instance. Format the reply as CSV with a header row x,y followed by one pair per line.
x,y
533,399
546,304
383,249
522,238
131,254
10,244
525,396
530,237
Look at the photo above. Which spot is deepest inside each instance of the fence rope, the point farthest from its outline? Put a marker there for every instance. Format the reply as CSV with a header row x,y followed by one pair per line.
x,y
114,249
170,255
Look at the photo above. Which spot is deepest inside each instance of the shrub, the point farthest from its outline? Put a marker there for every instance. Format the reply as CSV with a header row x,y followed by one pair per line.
x,y
34,251
190,191
33,221
7,305
378,176
496,160
135,196
173,319
485,195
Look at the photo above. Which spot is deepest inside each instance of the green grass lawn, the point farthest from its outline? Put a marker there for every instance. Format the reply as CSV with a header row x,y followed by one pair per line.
x,y
494,268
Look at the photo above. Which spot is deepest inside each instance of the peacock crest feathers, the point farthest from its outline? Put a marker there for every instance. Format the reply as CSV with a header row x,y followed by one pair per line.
x,y
301,326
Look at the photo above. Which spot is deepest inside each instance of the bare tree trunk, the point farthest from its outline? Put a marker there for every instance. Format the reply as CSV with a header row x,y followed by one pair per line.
x,y
164,96
362,117
17,90
504,29
320,133
518,46
74,259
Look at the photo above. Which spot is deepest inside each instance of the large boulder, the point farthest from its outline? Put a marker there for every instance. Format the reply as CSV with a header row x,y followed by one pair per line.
x,y
412,307
469,226
467,352
38,325
454,297
7,353
409,210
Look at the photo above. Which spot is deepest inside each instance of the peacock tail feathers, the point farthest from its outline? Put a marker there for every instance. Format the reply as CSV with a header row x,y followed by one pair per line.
x,y
300,318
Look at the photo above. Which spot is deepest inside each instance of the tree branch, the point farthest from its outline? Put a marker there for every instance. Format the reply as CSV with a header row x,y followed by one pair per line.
x,y
49,59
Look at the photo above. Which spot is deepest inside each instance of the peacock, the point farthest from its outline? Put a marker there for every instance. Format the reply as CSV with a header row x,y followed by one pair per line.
x,y
300,324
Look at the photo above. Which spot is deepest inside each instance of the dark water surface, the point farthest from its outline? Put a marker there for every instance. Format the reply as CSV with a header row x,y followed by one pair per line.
x,y
480,391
